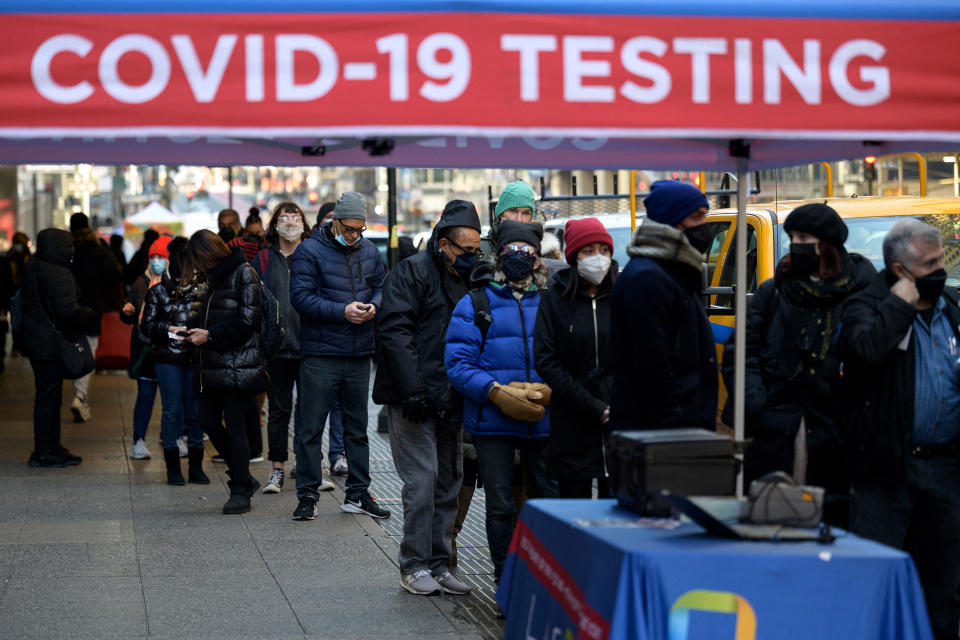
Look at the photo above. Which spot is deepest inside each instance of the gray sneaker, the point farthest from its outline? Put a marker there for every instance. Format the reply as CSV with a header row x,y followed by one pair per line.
x,y
139,450
450,583
182,446
340,467
420,583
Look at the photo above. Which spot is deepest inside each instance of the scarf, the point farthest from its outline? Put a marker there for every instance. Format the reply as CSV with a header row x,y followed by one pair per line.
x,y
656,240
817,318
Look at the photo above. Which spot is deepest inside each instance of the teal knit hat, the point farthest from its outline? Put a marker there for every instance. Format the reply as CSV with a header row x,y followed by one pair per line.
x,y
515,194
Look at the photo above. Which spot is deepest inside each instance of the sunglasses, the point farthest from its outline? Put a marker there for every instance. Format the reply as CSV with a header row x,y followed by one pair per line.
x,y
525,249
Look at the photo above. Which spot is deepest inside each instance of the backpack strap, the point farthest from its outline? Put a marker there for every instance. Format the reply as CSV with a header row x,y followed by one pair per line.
x,y
481,313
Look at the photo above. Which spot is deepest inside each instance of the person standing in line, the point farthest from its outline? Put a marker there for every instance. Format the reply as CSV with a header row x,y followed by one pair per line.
x,y
425,420
492,367
336,454
336,281
232,362
142,364
138,264
571,345
170,309
96,270
49,294
792,358
665,362
901,386
287,229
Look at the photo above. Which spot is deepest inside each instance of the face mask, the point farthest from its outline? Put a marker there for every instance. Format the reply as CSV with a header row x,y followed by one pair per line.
x,y
803,258
594,268
931,285
158,265
517,266
700,238
463,264
290,232
339,238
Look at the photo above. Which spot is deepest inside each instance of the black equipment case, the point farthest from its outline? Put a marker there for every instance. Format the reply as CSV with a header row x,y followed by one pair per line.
x,y
686,462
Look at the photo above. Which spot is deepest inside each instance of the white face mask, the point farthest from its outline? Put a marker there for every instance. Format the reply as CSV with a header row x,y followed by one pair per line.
x,y
594,268
290,232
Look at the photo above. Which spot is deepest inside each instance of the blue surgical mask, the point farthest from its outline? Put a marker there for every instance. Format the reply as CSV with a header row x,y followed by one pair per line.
x,y
158,265
339,238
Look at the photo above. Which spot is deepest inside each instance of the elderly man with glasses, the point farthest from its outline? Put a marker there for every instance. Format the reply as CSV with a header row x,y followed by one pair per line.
x,y
336,281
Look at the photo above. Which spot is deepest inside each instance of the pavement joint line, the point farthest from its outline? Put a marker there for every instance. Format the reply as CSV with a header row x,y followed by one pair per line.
x,y
136,553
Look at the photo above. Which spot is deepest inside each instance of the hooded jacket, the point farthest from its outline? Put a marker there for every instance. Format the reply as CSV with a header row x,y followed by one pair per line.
x,y
571,344
49,290
277,280
325,277
665,362
96,271
418,298
232,359
506,356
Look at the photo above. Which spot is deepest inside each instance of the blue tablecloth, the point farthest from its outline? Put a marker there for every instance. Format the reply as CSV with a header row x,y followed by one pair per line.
x,y
585,569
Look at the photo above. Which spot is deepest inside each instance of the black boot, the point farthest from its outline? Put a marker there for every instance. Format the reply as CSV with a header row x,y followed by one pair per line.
x,y
239,501
195,474
172,458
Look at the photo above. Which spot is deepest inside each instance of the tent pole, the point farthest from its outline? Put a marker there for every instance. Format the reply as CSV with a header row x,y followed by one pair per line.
x,y
740,305
392,245
230,187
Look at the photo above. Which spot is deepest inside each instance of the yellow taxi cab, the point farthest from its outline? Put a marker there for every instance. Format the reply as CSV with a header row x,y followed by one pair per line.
x,y
868,220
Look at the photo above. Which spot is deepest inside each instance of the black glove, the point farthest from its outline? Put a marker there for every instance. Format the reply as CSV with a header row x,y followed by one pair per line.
x,y
415,407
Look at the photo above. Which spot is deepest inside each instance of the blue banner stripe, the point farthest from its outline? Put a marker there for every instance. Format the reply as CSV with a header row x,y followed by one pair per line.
x,y
864,10
721,332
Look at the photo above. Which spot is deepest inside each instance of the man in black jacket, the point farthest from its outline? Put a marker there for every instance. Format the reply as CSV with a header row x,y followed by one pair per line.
x,y
665,361
902,428
50,307
425,433
96,270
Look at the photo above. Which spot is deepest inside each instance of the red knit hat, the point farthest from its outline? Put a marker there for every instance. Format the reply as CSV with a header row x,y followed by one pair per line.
x,y
579,233
159,247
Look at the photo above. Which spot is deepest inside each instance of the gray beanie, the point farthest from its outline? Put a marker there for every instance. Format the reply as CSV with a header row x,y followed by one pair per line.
x,y
351,204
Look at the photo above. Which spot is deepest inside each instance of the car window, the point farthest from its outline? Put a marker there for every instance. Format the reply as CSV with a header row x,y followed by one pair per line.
x,y
729,272
719,231
866,238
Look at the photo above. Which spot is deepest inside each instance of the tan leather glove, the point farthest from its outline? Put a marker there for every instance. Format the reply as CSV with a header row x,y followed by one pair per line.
x,y
513,403
537,392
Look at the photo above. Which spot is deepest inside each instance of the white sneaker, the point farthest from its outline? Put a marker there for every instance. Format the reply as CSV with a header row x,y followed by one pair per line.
x,y
420,583
257,459
275,482
80,409
139,450
340,467
182,445
326,485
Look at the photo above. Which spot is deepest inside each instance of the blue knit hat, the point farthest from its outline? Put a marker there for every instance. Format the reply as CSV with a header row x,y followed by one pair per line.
x,y
670,201
516,194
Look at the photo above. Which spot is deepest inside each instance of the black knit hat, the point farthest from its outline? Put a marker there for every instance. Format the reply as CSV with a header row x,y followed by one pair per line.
x,y
79,221
513,231
818,220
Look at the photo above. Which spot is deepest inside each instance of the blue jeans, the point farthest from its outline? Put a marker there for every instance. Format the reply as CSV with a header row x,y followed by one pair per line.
x,y
336,434
180,406
324,382
143,409
495,455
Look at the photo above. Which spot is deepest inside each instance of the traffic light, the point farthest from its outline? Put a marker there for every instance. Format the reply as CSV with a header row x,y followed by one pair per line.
x,y
870,168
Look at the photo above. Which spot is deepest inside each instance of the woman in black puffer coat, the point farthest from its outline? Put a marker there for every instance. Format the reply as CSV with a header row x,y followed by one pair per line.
x,y
571,348
232,362
170,309
792,360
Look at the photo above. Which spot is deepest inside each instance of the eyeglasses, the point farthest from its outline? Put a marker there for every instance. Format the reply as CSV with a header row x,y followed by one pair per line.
x,y
525,249
476,252
289,217
351,230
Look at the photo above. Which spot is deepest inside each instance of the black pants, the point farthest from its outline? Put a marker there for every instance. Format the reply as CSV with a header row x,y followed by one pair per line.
x,y
251,424
921,516
582,488
219,407
47,398
284,373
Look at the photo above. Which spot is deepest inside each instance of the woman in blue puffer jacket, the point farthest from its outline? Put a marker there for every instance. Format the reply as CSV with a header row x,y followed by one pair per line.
x,y
504,406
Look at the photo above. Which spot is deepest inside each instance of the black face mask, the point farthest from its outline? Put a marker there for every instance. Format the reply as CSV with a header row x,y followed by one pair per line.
x,y
803,258
700,237
931,285
517,266
463,264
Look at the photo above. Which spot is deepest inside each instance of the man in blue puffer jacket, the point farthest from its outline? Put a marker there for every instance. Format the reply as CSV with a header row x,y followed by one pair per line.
x,y
336,278
504,396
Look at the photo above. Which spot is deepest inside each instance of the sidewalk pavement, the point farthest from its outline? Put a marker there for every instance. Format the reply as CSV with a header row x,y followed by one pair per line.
x,y
108,550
